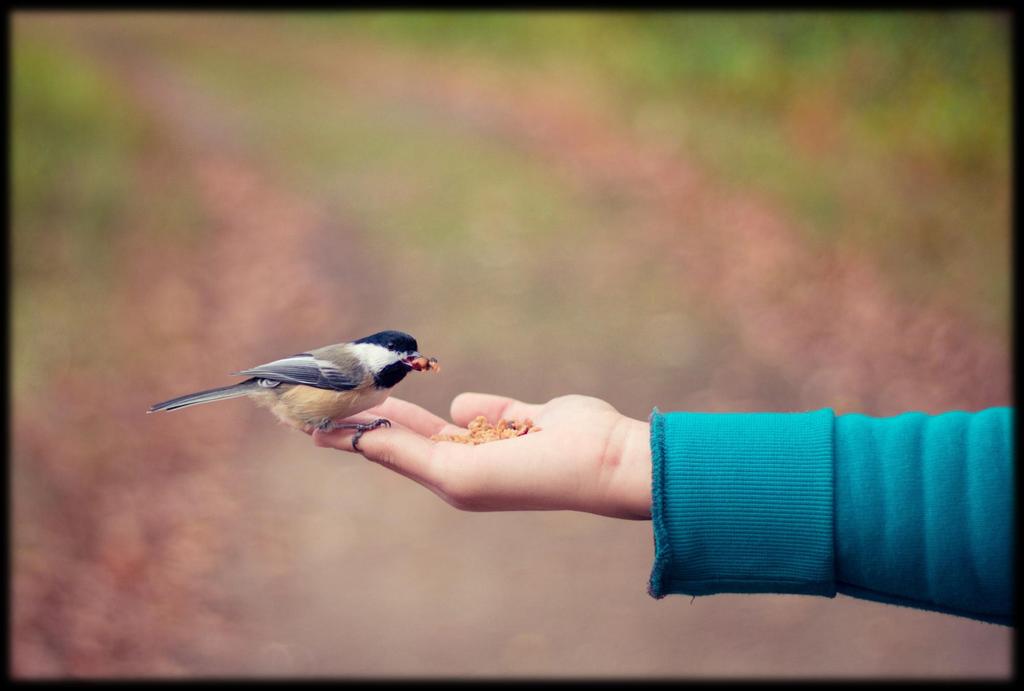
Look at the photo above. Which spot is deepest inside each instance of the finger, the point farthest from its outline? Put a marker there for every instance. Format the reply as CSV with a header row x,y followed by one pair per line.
x,y
469,405
431,464
395,447
419,420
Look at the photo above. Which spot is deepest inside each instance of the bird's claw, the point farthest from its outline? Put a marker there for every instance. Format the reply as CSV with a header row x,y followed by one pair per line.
x,y
328,425
379,422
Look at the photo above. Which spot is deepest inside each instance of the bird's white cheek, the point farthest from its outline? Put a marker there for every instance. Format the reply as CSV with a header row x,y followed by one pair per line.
x,y
373,356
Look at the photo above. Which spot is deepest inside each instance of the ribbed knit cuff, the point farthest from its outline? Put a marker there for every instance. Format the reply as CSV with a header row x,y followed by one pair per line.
x,y
742,503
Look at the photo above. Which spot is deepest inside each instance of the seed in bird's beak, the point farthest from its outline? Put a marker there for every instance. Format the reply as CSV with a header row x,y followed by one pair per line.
x,y
422,364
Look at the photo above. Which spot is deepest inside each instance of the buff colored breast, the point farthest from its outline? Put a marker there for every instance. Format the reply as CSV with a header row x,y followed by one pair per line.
x,y
306,406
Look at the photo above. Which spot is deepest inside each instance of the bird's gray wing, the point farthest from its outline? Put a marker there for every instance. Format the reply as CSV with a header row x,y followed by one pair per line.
x,y
306,368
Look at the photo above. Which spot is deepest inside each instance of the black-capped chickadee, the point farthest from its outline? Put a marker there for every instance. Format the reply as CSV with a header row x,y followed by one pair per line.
x,y
310,390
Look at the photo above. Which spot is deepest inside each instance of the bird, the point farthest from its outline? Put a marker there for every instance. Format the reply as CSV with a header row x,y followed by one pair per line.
x,y
311,390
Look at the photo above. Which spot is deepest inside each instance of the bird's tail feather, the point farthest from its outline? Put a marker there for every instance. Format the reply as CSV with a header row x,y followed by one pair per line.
x,y
218,394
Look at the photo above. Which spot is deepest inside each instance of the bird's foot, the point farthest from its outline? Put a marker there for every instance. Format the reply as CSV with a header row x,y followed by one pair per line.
x,y
328,425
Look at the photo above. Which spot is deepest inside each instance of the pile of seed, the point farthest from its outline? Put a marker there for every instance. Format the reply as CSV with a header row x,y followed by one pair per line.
x,y
481,431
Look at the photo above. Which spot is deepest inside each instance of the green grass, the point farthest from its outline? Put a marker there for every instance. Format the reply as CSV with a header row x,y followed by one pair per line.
x,y
885,131
464,223
920,81
410,177
73,142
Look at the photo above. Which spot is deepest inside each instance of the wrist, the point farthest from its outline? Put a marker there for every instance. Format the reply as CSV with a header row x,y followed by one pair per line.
x,y
633,470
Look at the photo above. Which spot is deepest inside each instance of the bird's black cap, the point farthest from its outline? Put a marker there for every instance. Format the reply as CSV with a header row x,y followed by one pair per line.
x,y
398,341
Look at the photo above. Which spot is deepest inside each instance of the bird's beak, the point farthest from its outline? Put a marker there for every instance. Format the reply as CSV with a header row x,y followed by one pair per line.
x,y
420,363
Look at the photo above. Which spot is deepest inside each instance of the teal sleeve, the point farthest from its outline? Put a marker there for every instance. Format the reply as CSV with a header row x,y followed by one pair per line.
x,y
742,502
913,510
925,511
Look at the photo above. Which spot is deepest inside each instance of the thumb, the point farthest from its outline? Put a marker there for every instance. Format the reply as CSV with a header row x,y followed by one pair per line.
x,y
469,405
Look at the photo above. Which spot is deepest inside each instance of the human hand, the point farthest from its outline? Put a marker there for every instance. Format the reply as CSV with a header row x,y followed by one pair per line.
x,y
586,457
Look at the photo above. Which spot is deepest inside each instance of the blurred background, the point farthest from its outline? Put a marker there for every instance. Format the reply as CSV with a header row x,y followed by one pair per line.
x,y
699,211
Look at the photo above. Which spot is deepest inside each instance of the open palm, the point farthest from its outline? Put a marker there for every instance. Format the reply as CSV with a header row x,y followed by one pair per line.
x,y
586,457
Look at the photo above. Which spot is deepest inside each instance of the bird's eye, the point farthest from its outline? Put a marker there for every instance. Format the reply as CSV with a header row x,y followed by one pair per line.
x,y
391,345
